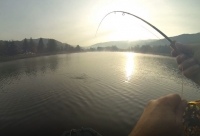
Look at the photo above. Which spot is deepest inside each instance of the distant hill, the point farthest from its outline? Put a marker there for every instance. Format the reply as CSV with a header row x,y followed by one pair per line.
x,y
183,38
121,44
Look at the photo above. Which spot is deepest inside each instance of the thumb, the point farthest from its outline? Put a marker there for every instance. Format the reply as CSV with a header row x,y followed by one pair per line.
x,y
184,48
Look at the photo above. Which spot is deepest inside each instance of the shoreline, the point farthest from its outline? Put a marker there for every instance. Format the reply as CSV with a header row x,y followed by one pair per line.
x,y
23,56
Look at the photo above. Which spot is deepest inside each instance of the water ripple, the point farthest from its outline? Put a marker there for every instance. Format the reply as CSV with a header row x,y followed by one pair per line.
x,y
51,94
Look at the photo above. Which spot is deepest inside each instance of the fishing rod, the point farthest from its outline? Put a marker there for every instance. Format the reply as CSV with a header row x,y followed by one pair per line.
x,y
172,43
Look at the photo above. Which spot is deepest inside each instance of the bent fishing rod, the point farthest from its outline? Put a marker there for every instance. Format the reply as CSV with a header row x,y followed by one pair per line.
x,y
123,13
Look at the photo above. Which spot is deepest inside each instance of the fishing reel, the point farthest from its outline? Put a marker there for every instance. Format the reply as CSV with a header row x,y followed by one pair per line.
x,y
191,119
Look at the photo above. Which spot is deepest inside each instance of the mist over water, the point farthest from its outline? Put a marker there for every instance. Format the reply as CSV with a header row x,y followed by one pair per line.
x,y
105,91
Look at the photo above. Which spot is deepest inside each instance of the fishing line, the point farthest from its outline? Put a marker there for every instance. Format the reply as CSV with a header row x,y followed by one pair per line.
x,y
150,32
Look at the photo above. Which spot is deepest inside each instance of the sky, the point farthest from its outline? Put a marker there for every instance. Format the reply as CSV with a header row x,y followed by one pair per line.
x,y
75,21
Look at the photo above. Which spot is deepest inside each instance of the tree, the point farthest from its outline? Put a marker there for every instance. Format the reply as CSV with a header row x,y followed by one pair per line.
x,y
2,48
66,47
25,46
51,45
92,49
12,48
6,48
78,49
114,48
71,48
99,48
32,45
40,45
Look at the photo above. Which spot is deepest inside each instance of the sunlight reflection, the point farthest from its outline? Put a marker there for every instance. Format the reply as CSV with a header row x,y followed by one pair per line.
x,y
129,65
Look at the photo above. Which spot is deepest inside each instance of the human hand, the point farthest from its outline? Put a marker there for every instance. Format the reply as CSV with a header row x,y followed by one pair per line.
x,y
161,117
188,59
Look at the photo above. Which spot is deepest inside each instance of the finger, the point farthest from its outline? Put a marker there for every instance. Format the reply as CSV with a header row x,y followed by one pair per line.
x,y
186,64
179,113
191,71
173,46
173,53
172,101
183,48
180,58
186,49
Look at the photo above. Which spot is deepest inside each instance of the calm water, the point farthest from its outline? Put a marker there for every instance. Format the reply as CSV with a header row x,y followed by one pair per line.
x,y
104,91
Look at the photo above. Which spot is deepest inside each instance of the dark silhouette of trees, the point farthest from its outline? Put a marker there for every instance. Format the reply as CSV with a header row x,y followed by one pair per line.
x,y
51,45
100,49
69,48
32,46
138,49
25,46
66,47
92,49
111,48
9,48
108,48
2,48
145,49
40,47
12,48
152,49
77,49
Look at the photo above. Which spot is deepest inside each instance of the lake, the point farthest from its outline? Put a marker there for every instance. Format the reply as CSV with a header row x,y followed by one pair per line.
x,y
106,91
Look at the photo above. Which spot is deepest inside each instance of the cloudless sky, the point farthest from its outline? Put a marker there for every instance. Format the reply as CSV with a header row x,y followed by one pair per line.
x,y
75,21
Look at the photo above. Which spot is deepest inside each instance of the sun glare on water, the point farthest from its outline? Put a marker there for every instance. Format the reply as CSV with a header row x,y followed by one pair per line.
x,y
129,65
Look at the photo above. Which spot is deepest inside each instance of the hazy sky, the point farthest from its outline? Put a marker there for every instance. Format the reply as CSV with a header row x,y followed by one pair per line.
x,y
75,21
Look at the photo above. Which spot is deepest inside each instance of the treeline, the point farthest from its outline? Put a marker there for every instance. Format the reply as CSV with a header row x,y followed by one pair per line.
x,y
160,49
108,48
12,48
139,49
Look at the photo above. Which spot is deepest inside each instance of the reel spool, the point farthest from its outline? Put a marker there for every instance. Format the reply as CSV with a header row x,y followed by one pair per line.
x,y
191,119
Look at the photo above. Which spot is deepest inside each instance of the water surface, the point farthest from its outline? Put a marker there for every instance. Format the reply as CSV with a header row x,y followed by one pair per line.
x,y
105,91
